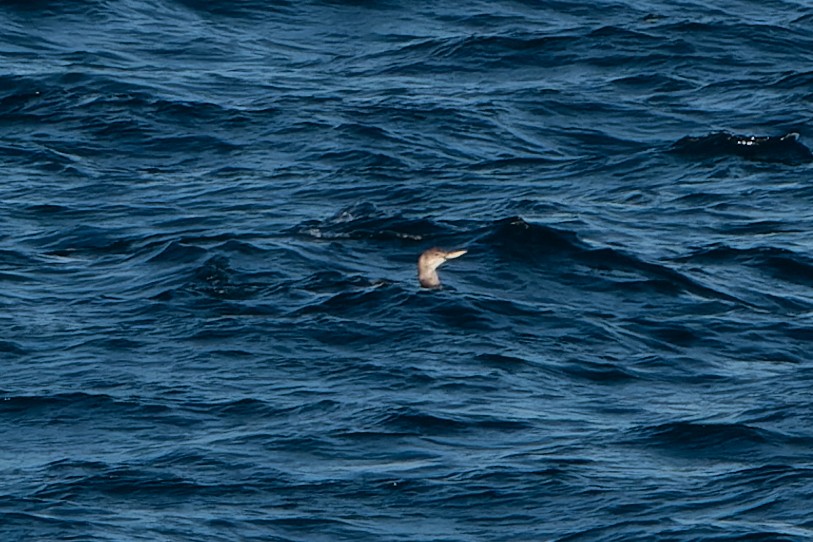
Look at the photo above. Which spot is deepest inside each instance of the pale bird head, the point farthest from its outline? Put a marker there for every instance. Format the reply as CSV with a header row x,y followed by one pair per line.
x,y
428,263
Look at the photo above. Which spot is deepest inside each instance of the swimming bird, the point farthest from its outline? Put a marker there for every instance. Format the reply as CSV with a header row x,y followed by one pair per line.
x,y
428,263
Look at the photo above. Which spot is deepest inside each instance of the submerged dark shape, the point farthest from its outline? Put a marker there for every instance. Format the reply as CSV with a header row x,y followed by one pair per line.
x,y
429,262
784,149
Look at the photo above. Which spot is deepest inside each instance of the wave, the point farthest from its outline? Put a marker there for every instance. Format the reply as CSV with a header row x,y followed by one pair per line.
x,y
65,407
785,149
244,9
411,421
710,438
58,7
366,221
600,371
216,280
12,347
103,115
127,481
781,263
85,239
522,240
471,52
525,242
763,476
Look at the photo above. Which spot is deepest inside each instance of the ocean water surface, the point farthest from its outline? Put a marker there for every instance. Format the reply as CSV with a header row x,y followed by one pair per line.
x,y
211,325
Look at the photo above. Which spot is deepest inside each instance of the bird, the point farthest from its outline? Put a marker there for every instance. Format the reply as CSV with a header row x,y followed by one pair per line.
x,y
429,262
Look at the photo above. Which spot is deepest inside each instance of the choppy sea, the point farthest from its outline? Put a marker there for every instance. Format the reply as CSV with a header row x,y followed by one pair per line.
x,y
210,324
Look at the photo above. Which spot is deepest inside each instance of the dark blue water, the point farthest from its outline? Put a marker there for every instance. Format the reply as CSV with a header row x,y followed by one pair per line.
x,y
211,327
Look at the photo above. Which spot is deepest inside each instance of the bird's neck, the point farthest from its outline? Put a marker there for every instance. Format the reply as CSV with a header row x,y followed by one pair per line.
x,y
429,278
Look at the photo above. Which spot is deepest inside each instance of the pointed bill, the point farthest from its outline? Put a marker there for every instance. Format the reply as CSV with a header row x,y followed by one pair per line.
x,y
455,254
